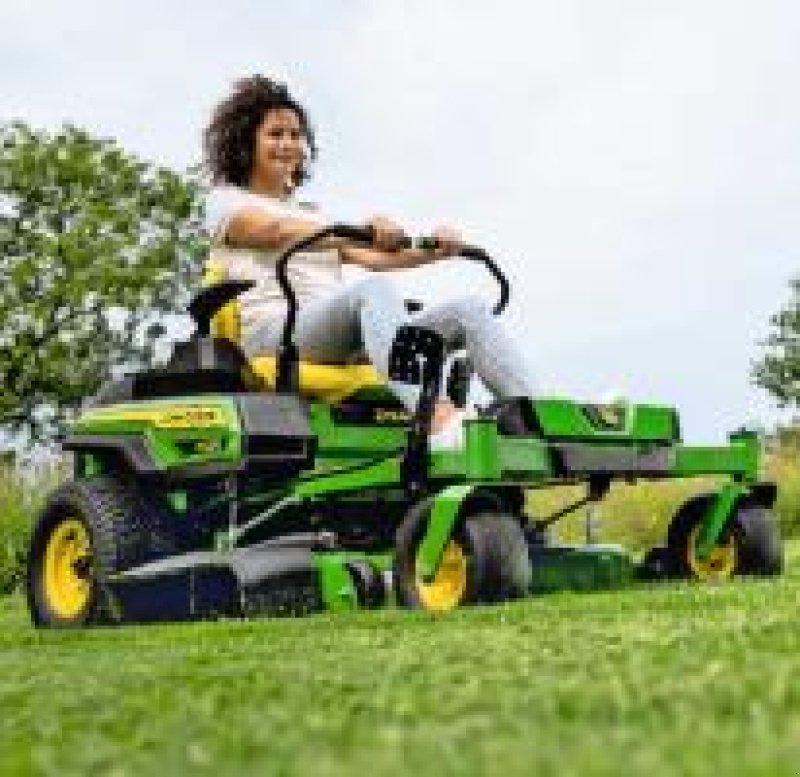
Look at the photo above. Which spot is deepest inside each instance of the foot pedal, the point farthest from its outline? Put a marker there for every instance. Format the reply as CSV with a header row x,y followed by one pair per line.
x,y
416,353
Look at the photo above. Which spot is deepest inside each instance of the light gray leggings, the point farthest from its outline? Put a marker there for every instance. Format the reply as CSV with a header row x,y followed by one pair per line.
x,y
366,315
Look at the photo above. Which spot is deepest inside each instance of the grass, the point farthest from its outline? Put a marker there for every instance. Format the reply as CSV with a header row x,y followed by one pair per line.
x,y
21,496
784,469
674,679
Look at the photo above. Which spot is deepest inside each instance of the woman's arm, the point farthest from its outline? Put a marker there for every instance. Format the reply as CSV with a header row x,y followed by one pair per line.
x,y
448,244
373,259
256,228
251,227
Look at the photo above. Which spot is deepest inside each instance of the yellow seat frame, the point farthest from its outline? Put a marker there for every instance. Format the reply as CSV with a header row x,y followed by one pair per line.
x,y
329,382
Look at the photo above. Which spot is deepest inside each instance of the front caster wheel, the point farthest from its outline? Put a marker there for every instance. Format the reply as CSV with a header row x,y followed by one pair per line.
x,y
749,545
485,560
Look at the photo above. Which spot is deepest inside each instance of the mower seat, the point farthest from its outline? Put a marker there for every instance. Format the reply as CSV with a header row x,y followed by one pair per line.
x,y
329,382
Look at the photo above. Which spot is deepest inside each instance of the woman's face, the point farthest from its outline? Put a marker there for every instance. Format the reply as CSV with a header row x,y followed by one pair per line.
x,y
279,148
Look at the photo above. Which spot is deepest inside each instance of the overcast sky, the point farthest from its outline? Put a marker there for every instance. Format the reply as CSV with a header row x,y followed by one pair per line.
x,y
635,166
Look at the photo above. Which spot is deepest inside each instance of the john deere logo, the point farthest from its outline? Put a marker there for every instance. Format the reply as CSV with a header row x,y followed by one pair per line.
x,y
607,417
182,418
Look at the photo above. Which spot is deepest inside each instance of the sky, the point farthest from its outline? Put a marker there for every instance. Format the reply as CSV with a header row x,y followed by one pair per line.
x,y
633,165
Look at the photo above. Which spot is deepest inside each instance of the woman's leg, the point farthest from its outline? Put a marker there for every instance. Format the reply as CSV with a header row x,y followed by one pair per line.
x,y
468,322
364,315
368,314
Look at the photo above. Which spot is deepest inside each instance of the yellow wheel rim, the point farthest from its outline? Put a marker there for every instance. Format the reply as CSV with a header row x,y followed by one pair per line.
x,y
67,587
720,563
449,584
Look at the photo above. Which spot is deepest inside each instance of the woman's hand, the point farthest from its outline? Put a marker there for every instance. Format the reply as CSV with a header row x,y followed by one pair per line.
x,y
389,236
385,253
448,242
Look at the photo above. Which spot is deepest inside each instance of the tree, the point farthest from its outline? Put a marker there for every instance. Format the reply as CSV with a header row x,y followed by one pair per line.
x,y
778,371
96,247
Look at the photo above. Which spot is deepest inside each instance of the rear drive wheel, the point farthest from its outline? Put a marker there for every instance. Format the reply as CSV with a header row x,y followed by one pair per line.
x,y
485,560
749,544
88,530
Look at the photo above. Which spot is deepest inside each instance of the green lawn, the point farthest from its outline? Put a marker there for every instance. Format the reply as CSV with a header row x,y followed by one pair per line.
x,y
668,680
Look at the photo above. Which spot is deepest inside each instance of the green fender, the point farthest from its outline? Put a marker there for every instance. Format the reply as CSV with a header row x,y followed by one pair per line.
x,y
443,516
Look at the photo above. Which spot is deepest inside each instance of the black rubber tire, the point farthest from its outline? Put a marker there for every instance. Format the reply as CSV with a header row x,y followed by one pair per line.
x,y
498,566
759,547
124,530
762,544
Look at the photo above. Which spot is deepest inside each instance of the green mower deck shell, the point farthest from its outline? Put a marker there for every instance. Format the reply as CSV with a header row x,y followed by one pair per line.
x,y
580,568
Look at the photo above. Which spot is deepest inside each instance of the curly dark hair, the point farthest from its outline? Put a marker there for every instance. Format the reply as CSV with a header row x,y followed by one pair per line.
x,y
229,139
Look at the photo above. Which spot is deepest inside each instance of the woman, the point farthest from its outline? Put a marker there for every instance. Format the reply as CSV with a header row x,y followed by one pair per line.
x,y
257,147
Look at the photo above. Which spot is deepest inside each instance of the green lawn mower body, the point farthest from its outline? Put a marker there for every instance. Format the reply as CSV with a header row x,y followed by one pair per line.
x,y
201,496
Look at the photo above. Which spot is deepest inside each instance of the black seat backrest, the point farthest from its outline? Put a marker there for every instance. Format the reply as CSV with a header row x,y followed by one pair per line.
x,y
211,298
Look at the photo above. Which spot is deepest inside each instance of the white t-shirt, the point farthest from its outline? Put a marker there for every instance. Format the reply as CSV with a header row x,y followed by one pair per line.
x,y
313,274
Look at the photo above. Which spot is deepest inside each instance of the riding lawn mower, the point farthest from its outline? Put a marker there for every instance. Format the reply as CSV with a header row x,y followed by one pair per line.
x,y
221,486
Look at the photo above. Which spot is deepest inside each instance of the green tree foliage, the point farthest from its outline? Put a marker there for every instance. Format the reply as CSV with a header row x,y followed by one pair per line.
x,y
779,370
96,246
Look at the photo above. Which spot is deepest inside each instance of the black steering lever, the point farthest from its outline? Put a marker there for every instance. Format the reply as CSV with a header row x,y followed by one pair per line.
x,y
288,360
